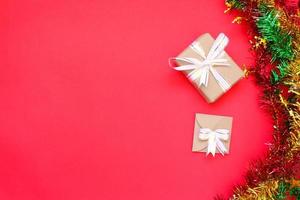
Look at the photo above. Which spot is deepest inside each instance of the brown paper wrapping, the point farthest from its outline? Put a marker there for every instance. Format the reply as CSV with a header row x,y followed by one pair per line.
x,y
212,122
230,73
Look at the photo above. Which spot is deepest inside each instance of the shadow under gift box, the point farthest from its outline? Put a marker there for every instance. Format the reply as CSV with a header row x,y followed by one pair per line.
x,y
231,73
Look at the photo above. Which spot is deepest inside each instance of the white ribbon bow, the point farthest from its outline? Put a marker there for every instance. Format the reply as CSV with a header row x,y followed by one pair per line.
x,y
214,139
202,68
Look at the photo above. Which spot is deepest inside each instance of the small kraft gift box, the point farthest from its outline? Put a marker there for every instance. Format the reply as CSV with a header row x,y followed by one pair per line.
x,y
212,134
210,69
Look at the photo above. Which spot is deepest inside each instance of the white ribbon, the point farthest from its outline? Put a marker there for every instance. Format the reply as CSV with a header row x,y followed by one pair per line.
x,y
214,139
201,68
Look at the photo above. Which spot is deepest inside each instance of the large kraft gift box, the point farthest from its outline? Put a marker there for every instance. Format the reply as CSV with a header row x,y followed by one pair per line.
x,y
231,73
212,122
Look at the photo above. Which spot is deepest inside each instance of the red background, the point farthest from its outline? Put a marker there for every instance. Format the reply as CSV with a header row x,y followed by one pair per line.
x,y
90,108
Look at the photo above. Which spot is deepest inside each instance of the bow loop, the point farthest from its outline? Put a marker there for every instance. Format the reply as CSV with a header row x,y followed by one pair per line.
x,y
214,139
204,133
223,134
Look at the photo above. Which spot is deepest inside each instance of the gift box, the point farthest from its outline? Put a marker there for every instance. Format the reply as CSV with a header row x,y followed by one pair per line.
x,y
212,134
210,69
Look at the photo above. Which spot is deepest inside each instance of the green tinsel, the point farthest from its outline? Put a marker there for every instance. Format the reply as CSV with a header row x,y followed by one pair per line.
x,y
279,42
283,187
295,192
286,190
283,71
236,4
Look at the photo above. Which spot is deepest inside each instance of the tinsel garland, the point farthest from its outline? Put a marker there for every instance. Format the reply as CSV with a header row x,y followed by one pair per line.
x,y
275,39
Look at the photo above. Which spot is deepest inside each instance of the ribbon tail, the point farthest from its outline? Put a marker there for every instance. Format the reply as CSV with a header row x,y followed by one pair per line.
x,y
201,74
193,75
221,147
204,78
211,148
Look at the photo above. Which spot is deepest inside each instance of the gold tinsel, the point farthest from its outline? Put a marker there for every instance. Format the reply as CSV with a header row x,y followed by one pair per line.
x,y
293,107
268,189
237,20
258,42
264,191
229,6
